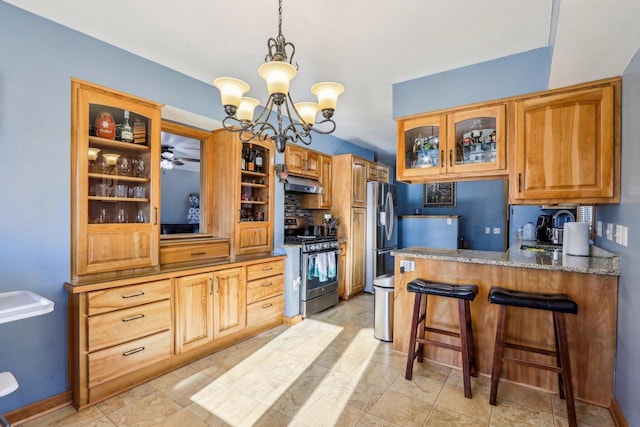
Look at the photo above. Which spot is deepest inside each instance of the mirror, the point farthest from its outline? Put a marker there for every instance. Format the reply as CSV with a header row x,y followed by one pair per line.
x,y
184,181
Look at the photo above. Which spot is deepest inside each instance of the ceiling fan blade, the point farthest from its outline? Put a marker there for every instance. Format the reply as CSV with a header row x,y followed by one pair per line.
x,y
188,159
177,162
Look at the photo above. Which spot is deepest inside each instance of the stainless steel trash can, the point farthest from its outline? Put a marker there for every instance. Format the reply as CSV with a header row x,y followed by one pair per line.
x,y
383,307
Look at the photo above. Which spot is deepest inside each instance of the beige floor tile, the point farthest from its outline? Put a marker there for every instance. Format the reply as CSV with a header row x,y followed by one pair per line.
x,y
126,398
151,410
182,418
257,383
385,356
421,388
326,411
69,417
587,414
372,421
400,409
508,414
290,400
357,393
379,374
432,370
479,384
224,406
452,399
522,395
443,418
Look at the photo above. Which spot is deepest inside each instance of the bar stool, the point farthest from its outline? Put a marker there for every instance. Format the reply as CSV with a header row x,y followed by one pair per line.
x,y
464,294
558,304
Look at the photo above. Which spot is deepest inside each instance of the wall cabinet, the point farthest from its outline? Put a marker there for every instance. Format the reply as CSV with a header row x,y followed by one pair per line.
x,y
248,195
377,172
453,145
302,161
566,147
324,200
115,180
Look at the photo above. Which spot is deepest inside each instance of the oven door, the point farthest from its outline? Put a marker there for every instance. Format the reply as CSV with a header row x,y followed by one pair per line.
x,y
319,274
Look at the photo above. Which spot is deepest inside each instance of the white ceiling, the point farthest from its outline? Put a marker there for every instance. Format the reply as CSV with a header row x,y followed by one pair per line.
x,y
367,45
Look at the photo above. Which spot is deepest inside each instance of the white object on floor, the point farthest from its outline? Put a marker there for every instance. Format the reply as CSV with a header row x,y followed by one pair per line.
x,y
16,305
8,383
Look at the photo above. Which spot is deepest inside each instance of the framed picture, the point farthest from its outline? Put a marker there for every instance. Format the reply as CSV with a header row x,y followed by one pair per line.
x,y
439,194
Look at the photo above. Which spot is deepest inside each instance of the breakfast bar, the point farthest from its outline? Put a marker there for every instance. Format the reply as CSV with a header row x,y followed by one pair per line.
x,y
591,281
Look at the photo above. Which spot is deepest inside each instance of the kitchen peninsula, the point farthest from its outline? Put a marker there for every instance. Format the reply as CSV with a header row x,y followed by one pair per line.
x,y
592,281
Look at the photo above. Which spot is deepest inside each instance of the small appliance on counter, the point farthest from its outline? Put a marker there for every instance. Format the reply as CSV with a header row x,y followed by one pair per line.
x,y
559,219
543,228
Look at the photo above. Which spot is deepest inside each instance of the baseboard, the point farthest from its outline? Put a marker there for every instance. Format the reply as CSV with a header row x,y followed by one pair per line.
x,y
616,414
39,408
292,320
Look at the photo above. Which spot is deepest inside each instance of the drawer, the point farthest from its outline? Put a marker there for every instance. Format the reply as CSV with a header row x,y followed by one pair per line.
x,y
128,324
112,299
122,359
265,269
262,310
265,288
193,251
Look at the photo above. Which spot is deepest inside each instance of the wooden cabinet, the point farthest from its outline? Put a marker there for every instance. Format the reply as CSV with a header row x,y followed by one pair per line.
x,y
302,161
377,172
342,263
194,311
324,200
356,252
128,327
566,147
265,292
452,145
115,184
229,301
244,198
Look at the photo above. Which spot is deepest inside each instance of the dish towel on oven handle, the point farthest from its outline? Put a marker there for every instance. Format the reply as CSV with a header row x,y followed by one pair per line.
x,y
312,267
331,265
322,263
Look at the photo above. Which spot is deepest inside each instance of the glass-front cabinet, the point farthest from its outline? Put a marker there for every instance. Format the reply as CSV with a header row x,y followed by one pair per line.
x,y
115,180
457,144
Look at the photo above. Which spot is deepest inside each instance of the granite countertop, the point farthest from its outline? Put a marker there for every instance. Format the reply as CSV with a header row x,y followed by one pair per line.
x,y
599,261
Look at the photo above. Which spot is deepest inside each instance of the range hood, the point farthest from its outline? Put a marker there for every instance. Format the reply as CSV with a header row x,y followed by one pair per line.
x,y
295,184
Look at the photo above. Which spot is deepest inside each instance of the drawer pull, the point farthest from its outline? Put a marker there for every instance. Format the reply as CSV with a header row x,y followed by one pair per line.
x,y
267,268
137,294
267,305
198,253
134,351
129,319
264,285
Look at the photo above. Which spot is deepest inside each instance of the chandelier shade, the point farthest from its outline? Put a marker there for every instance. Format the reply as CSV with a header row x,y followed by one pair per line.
x,y
281,119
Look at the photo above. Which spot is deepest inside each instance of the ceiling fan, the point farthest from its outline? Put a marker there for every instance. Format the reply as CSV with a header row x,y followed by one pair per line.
x,y
169,159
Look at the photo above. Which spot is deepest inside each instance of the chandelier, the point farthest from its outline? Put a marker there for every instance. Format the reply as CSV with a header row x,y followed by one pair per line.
x,y
278,71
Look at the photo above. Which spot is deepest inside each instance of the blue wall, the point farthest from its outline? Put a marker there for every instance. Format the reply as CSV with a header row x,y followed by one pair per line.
x,y
628,213
39,58
480,204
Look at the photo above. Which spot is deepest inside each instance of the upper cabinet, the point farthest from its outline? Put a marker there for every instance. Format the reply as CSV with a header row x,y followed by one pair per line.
x,y
377,172
324,199
302,161
115,157
566,147
453,145
243,177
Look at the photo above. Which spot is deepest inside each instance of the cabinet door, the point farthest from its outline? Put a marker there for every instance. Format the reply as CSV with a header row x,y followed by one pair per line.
x,y
357,250
565,146
326,180
194,311
421,147
294,157
115,184
359,183
476,140
342,263
229,298
312,164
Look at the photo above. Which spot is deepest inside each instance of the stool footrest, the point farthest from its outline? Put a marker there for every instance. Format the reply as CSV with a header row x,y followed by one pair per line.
x,y
443,332
529,348
438,344
532,364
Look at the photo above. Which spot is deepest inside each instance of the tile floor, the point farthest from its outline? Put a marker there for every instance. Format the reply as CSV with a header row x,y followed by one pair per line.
x,y
327,370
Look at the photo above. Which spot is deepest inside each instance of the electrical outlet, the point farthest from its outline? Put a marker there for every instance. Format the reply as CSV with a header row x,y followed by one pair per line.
x,y
496,230
487,230
625,236
599,228
618,234
609,231
296,283
408,265
448,221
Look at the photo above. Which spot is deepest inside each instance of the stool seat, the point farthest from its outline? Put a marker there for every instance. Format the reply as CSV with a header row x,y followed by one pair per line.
x,y
561,303
466,292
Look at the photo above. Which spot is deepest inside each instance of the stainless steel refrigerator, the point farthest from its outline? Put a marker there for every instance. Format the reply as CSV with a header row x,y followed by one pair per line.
x,y
382,235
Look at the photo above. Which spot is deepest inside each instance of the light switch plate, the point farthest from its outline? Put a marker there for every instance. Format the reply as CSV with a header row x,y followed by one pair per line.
x,y
625,236
487,230
609,231
599,228
496,230
619,234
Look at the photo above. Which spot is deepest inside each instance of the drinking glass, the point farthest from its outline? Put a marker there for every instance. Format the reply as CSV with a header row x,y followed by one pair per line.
x,y
140,216
121,190
139,168
138,192
103,217
121,217
124,165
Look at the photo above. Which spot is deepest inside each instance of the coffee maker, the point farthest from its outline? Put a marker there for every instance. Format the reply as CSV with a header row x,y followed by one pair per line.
x,y
543,228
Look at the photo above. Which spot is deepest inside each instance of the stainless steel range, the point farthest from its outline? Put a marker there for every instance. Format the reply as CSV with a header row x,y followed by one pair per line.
x,y
318,269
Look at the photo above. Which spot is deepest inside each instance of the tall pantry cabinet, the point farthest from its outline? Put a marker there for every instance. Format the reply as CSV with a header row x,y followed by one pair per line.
x,y
350,201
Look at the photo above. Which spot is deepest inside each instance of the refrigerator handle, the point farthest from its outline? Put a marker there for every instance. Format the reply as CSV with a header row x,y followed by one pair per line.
x,y
389,213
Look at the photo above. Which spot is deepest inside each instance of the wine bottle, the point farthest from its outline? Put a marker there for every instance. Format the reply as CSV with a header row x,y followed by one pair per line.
x,y
251,165
258,160
126,133
243,160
